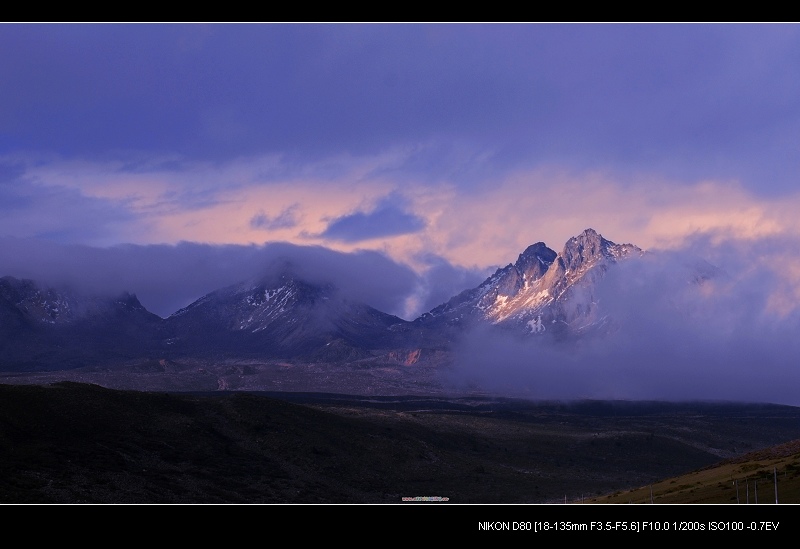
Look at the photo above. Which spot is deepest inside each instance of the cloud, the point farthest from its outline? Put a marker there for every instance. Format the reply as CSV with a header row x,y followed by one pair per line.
x,y
31,209
474,102
351,203
491,225
344,203
440,280
731,337
443,149
168,277
286,219
388,219
676,338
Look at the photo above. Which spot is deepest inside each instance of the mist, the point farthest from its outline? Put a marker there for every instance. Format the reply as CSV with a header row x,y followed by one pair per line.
x,y
715,320
682,330
166,278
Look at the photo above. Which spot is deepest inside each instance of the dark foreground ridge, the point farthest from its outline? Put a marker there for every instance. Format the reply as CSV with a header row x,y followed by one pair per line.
x,y
79,443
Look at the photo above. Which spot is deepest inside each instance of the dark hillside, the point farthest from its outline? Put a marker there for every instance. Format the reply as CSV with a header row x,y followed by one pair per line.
x,y
79,443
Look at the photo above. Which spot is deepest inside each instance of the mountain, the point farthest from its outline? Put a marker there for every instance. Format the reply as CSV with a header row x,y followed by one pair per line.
x,y
543,291
56,328
280,316
284,317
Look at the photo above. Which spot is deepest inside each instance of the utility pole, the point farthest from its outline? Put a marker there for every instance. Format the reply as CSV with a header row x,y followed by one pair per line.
x,y
775,474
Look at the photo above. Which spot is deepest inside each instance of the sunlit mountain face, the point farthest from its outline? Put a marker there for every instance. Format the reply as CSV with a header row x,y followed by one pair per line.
x,y
280,315
543,291
546,301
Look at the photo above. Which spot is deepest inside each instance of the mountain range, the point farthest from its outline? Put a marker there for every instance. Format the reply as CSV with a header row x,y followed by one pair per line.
x,y
280,316
201,426
542,291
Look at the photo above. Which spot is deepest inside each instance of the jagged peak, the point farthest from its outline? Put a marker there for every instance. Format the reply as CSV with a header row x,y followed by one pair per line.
x,y
534,262
588,236
586,247
590,246
588,233
538,250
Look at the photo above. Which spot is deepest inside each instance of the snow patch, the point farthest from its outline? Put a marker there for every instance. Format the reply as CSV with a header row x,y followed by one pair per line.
x,y
536,326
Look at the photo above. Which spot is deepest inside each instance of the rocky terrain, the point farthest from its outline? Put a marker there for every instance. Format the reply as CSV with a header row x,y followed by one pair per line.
x,y
281,332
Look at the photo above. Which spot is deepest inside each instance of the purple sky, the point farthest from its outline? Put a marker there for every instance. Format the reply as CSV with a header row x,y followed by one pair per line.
x,y
171,159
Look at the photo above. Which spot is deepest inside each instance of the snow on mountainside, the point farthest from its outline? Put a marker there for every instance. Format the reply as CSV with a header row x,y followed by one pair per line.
x,y
280,315
33,303
44,305
590,287
542,291
47,328
249,306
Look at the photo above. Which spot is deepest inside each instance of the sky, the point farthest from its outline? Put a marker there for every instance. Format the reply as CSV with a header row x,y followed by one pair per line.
x,y
408,160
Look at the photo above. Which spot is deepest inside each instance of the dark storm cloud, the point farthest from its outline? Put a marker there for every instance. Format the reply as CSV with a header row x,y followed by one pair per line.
x,y
686,101
389,218
241,89
166,278
679,336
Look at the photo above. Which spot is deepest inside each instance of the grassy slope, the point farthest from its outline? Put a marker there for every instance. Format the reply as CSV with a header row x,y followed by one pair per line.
x,y
78,443
749,479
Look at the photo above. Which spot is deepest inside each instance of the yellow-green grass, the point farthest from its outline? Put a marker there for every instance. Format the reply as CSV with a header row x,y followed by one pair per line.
x,y
750,479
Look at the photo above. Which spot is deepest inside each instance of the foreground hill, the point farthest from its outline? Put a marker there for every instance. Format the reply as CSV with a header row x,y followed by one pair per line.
x,y
77,443
766,476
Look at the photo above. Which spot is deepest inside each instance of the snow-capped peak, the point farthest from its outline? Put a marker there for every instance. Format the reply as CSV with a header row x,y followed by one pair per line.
x,y
542,287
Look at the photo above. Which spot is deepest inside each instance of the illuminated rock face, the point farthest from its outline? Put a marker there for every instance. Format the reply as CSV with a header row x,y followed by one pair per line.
x,y
543,291
542,294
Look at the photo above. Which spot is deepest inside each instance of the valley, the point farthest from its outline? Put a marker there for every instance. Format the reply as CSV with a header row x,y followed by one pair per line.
x,y
79,443
285,390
